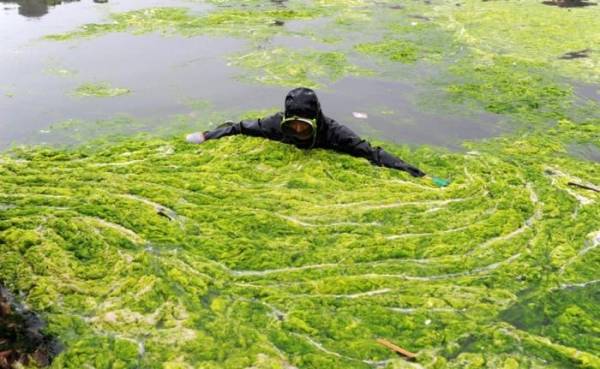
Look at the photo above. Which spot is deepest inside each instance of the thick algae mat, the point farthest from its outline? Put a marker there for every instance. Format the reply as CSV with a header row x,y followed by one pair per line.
x,y
250,253
246,253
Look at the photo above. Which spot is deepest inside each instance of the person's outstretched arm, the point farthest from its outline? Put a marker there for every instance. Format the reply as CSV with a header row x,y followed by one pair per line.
x,y
343,139
267,127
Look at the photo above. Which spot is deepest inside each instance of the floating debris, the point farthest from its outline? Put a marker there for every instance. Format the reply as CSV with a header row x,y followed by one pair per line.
x,y
568,3
359,115
418,16
397,349
575,54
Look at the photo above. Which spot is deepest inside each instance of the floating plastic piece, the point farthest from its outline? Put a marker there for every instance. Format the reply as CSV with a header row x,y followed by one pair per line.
x,y
440,182
359,115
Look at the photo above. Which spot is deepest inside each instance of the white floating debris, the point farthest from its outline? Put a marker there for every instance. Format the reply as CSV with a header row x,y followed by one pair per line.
x,y
195,138
428,321
359,115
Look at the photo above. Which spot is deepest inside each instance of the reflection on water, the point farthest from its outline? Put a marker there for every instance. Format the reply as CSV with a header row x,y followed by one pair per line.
x,y
38,8
585,151
588,91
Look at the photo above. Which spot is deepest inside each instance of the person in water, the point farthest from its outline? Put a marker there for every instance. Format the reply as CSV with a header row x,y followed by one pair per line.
x,y
304,125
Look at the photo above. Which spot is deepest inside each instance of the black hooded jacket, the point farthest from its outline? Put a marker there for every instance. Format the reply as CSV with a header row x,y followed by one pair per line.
x,y
303,102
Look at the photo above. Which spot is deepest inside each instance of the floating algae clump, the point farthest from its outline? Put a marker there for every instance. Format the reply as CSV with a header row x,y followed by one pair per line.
x,y
529,31
394,50
286,67
236,22
100,90
408,43
244,252
510,86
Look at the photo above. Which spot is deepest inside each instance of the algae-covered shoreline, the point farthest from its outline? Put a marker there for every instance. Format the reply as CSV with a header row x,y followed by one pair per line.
x,y
147,252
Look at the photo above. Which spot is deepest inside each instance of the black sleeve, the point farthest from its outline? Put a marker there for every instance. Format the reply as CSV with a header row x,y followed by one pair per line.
x,y
343,139
267,127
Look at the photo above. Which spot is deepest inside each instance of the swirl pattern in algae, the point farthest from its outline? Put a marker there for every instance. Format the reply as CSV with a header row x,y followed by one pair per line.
x,y
250,253
245,253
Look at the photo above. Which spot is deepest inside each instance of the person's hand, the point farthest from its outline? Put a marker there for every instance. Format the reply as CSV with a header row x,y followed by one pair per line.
x,y
415,172
195,138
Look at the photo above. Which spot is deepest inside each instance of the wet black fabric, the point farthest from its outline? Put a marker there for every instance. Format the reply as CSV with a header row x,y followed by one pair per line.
x,y
330,134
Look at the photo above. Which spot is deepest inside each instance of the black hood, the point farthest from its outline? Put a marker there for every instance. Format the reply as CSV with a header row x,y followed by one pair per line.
x,y
302,102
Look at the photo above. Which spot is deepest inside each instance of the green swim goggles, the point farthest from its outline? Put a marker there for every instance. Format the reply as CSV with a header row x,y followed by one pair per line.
x,y
301,129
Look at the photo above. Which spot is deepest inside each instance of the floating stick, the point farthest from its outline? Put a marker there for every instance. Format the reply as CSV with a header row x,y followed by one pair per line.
x,y
399,350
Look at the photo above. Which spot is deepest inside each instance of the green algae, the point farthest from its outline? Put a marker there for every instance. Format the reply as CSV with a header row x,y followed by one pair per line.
x,y
290,68
567,314
60,71
510,86
275,256
105,132
529,31
246,19
75,131
408,38
354,18
234,22
258,114
394,50
198,104
100,90
7,91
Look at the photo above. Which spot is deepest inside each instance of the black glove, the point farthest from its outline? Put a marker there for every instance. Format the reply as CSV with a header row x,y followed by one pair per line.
x,y
414,171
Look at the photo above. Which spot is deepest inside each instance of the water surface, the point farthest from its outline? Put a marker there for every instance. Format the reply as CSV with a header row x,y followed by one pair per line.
x,y
38,78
